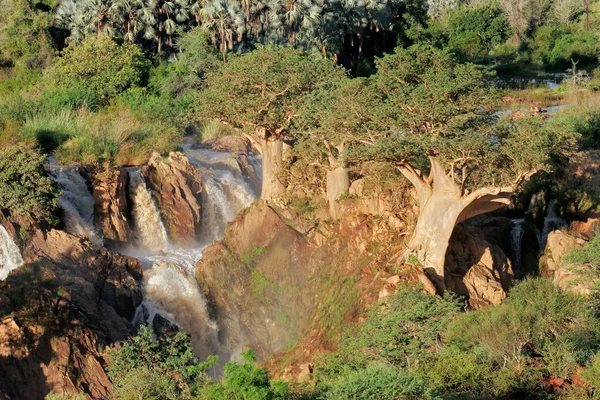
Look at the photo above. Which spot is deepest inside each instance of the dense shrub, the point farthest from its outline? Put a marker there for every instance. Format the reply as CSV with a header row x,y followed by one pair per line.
x,y
403,330
538,331
243,380
102,66
24,187
476,31
554,46
380,382
165,367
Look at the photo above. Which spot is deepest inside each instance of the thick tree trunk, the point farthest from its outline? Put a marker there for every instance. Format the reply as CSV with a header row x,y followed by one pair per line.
x,y
443,205
273,154
338,183
338,178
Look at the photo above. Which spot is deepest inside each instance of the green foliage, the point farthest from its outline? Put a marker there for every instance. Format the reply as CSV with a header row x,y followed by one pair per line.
x,y
588,254
498,345
554,46
24,187
403,330
100,65
24,39
475,31
263,88
259,284
381,382
243,380
163,368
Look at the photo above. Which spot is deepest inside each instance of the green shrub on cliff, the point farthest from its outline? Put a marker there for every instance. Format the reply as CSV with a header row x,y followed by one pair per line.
x,y
24,187
381,382
163,368
244,380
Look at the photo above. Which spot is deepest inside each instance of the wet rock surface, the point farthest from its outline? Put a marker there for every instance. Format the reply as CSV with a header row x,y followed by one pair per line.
x,y
111,205
176,185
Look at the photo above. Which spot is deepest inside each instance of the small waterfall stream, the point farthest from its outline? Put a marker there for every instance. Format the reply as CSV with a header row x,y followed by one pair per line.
x,y
76,202
552,221
149,229
169,287
10,256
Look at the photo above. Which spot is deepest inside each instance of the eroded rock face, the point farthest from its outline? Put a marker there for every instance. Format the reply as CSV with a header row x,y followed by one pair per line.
x,y
476,268
111,205
567,276
176,185
254,279
59,312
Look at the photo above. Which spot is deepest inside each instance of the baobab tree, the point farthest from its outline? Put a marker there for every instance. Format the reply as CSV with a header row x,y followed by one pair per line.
x,y
438,114
259,95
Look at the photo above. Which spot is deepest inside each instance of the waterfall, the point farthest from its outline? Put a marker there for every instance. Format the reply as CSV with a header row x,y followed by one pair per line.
x,y
226,190
516,245
176,296
552,222
10,256
169,286
76,202
149,228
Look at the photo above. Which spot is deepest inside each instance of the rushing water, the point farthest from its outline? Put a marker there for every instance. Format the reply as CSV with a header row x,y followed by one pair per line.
x,y
552,222
169,286
76,202
10,256
150,232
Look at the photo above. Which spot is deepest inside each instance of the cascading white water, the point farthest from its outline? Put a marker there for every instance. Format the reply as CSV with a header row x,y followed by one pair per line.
x,y
10,256
226,189
169,285
149,229
76,202
169,291
516,245
552,222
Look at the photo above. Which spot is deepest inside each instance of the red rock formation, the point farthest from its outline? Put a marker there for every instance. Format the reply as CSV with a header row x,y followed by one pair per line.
x,y
111,206
176,185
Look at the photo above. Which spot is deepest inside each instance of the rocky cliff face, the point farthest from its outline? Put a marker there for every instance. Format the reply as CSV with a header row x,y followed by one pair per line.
x,y
477,269
59,312
254,279
111,205
176,185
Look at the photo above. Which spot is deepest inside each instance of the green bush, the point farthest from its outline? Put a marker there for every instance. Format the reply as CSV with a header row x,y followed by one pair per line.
x,y
72,98
380,382
164,368
554,46
476,31
403,330
588,254
50,130
538,331
243,380
24,187
101,65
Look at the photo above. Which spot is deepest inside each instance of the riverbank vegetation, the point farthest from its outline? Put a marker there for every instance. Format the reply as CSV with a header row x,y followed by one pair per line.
x,y
539,343
329,92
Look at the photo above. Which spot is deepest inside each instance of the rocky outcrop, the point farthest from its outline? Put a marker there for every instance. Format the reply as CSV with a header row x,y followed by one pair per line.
x,y
59,311
254,280
176,185
111,206
577,278
477,269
